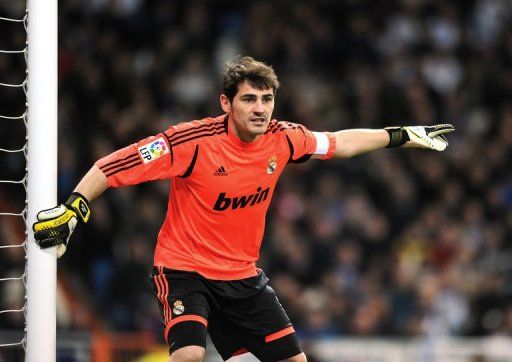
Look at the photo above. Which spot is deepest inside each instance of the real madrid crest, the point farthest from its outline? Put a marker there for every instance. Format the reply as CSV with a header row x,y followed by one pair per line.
x,y
272,165
178,307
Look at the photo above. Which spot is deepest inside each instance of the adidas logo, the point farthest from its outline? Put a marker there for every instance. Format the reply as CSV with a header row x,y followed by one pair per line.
x,y
220,172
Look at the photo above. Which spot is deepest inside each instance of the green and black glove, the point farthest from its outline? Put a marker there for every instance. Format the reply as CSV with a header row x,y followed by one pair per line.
x,y
432,137
55,226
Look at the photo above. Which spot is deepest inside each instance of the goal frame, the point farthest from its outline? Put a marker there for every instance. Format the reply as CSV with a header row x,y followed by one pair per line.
x,y
41,324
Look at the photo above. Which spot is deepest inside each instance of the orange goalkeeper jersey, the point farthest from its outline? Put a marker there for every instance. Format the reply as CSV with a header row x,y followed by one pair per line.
x,y
220,189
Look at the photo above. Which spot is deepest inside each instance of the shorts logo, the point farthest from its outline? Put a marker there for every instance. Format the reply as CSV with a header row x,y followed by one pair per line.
x,y
153,150
179,308
272,165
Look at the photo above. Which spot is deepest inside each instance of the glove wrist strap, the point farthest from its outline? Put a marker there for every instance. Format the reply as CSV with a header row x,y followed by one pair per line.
x,y
80,205
397,136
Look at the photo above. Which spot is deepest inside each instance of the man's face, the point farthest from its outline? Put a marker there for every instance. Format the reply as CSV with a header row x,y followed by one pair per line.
x,y
250,110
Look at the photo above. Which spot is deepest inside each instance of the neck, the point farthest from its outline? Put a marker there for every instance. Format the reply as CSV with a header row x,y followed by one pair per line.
x,y
244,137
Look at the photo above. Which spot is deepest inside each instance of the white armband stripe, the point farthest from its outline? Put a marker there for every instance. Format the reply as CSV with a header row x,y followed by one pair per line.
x,y
322,143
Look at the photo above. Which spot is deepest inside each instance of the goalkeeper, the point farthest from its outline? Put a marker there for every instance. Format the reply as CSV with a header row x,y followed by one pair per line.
x,y
223,170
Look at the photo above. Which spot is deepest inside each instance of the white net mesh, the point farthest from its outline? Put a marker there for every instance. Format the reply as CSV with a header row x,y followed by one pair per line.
x,y
13,186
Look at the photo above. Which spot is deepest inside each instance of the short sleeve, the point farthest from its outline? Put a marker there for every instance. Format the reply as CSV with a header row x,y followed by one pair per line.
x,y
152,158
305,143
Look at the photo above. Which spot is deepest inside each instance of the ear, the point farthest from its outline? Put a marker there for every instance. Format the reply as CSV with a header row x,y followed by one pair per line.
x,y
225,103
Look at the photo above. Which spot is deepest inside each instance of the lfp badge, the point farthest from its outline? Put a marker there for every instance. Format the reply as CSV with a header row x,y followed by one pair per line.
x,y
153,150
158,148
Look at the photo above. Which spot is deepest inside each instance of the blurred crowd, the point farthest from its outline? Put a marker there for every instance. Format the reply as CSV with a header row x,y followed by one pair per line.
x,y
394,243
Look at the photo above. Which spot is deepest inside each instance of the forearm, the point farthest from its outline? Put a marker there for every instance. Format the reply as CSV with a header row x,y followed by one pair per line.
x,y
93,184
352,142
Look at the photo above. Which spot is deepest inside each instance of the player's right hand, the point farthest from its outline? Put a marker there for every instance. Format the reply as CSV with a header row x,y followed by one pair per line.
x,y
56,225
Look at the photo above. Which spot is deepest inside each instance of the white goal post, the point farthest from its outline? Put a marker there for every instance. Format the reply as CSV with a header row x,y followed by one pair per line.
x,y
42,177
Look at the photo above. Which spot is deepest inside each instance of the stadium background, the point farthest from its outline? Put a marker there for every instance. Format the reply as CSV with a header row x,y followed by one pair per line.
x,y
395,243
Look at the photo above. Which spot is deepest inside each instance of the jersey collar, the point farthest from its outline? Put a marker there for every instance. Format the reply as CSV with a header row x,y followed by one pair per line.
x,y
233,139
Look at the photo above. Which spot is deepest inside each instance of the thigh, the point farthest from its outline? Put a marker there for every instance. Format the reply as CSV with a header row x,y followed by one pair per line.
x,y
184,306
258,324
225,336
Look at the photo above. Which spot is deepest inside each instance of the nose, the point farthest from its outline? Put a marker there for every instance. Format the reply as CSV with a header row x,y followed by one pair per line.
x,y
258,106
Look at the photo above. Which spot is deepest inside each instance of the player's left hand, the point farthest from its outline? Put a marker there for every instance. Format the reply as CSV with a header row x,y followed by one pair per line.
x,y
431,137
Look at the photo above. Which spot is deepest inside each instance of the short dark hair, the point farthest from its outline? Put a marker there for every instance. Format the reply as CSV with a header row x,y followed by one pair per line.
x,y
244,68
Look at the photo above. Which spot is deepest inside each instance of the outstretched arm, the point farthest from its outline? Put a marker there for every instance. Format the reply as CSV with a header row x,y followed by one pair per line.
x,y
146,160
352,142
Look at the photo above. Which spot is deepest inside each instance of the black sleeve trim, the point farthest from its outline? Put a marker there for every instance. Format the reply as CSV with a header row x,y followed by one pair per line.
x,y
290,144
192,163
302,159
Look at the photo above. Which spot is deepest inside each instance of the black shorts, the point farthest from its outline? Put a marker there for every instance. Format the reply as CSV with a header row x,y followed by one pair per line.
x,y
240,316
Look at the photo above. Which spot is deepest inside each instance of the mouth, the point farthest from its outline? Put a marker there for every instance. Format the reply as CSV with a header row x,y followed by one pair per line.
x,y
258,120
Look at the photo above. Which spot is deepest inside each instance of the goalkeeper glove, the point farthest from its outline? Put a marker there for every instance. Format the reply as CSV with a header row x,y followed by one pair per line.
x,y
55,226
432,137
